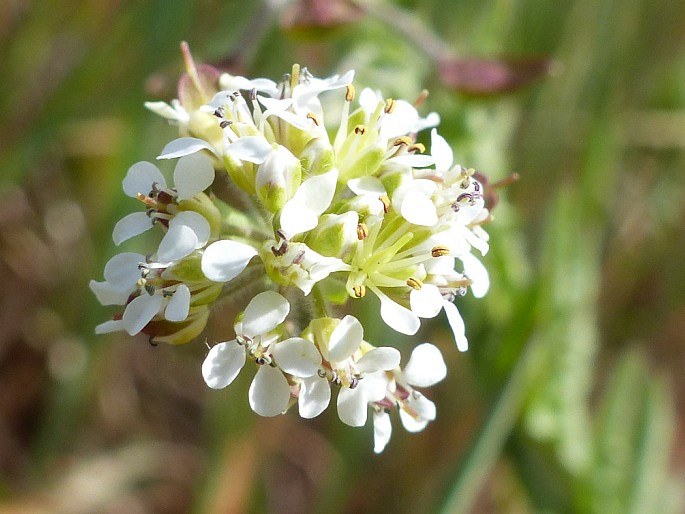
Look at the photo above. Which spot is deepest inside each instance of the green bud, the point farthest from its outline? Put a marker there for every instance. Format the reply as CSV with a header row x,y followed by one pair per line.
x,y
164,331
242,173
317,157
335,235
319,331
205,126
203,205
278,178
368,163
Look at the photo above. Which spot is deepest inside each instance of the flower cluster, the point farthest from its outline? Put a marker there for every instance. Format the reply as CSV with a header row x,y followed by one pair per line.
x,y
269,193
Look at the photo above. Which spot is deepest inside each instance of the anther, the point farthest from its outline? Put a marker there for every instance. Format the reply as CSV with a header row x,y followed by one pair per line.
x,y
149,289
225,123
314,118
403,140
299,258
349,93
414,283
386,203
417,147
354,383
359,130
321,373
439,251
389,105
219,112
281,249
466,196
359,291
362,231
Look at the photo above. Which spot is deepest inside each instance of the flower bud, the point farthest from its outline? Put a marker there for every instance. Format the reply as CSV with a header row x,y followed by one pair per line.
x,y
335,235
317,157
277,178
164,331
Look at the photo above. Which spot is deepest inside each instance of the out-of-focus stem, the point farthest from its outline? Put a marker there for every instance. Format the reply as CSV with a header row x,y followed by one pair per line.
x,y
408,25
485,451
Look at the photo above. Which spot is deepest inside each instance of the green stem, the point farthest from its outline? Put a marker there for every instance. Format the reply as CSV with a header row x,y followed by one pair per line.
x,y
485,451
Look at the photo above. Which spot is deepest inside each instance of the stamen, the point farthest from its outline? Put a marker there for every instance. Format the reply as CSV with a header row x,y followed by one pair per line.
x,y
359,291
417,147
360,130
386,203
314,118
362,231
225,123
349,93
403,140
389,105
421,98
414,283
439,251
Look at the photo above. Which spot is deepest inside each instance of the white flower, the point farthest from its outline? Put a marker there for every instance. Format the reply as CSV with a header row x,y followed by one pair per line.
x,y
301,213
425,368
193,174
269,392
358,375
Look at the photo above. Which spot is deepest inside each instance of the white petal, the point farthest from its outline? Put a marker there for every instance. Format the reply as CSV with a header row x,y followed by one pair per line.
x,y
140,177
196,222
224,260
222,364
426,302
457,325
352,406
179,241
475,270
113,325
317,191
366,186
122,271
179,305
107,294
382,430
315,395
250,148
140,311
296,217
425,367
298,357
383,358
441,151
265,312
185,146
345,339
398,317
269,392
375,386
424,409
193,174
415,160
369,100
275,104
130,226
417,208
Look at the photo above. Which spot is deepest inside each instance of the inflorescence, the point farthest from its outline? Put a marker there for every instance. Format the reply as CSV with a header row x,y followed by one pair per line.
x,y
268,194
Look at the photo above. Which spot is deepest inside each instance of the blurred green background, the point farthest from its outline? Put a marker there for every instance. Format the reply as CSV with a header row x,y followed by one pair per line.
x,y
570,398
